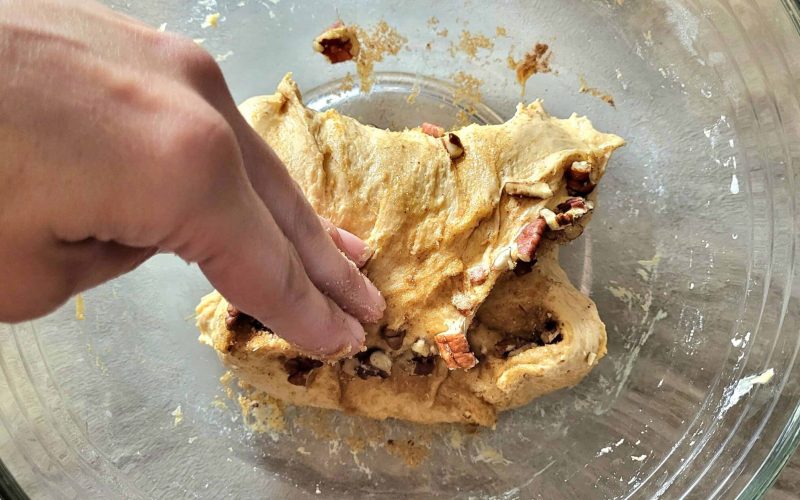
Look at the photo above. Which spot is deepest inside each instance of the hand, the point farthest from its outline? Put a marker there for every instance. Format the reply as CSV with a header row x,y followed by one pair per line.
x,y
117,142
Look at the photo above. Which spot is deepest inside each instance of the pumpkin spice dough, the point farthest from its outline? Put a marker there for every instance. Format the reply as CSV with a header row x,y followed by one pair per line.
x,y
465,228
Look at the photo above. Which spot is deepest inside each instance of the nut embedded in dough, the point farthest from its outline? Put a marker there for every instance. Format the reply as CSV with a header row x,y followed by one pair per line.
x,y
339,43
529,239
454,350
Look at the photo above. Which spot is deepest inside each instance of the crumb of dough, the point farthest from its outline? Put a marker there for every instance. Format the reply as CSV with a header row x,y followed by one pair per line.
x,y
223,57
433,21
467,95
537,60
376,43
199,41
500,31
80,308
470,43
603,96
412,97
178,414
411,451
262,413
347,83
218,403
365,46
442,33
489,455
456,440
211,21
163,27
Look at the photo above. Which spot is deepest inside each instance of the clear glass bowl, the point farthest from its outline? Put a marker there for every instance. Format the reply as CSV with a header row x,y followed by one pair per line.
x,y
690,258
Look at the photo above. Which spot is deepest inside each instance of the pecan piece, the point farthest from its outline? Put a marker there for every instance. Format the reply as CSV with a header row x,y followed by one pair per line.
x,y
477,275
579,181
512,346
339,43
454,350
432,130
567,213
423,365
529,239
299,368
529,189
373,363
236,318
452,143
393,338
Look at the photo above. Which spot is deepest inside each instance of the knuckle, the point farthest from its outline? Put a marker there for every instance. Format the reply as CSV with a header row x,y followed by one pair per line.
x,y
198,64
199,141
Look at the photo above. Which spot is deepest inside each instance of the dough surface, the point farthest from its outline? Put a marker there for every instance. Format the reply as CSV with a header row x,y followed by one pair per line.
x,y
465,230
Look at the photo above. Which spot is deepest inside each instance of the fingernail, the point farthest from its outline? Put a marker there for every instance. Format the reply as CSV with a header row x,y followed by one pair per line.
x,y
355,248
377,302
357,333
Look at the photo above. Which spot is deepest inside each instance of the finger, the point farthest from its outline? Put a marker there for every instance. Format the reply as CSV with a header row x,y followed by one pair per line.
x,y
353,247
92,262
336,276
254,266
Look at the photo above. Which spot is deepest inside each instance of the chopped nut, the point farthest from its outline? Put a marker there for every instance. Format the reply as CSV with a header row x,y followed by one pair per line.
x,y
432,130
421,347
462,302
381,361
568,212
503,260
339,43
424,365
477,275
349,366
550,337
530,189
509,347
299,368
365,369
393,338
529,239
580,178
453,145
591,358
455,351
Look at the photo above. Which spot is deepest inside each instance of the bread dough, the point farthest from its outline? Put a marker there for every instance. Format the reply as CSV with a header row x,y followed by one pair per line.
x,y
471,328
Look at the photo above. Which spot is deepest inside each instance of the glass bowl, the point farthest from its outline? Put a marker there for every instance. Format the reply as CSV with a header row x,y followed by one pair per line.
x,y
690,258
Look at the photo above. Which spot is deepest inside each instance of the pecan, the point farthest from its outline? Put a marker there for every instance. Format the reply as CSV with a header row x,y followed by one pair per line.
x,y
299,368
454,350
452,143
423,365
462,302
529,239
522,268
421,347
339,43
373,363
236,318
567,213
550,337
529,189
432,130
503,260
393,338
579,180
509,347
477,275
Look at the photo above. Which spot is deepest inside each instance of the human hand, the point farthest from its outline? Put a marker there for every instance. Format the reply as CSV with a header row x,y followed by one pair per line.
x,y
117,142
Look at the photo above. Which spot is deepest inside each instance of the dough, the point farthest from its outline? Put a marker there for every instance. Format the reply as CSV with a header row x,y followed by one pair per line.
x,y
465,230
